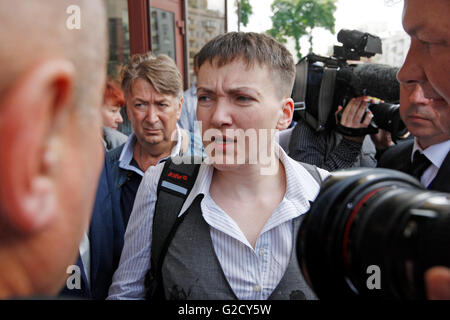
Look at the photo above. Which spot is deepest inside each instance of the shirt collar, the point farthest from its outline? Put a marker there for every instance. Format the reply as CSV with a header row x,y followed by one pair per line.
x,y
435,153
201,185
301,187
127,153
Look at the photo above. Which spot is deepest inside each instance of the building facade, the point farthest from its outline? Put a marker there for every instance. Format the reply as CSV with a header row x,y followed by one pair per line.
x,y
178,28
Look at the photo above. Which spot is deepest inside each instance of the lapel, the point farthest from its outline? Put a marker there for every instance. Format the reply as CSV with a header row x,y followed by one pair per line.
x,y
398,157
100,231
85,288
441,182
118,176
402,158
84,292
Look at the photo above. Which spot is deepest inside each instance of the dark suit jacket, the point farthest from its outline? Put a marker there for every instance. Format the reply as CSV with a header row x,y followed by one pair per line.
x,y
398,157
118,177
106,234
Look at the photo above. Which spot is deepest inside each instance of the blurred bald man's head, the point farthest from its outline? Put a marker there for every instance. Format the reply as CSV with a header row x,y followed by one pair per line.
x,y
51,88
34,30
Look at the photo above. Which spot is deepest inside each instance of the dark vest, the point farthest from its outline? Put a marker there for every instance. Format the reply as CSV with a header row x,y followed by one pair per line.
x,y
192,271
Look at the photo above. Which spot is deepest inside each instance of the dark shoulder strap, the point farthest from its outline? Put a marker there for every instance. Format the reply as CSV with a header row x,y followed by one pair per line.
x,y
299,90
301,80
312,169
174,186
326,95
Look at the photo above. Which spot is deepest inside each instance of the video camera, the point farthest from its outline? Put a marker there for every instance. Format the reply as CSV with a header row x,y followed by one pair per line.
x,y
372,233
324,83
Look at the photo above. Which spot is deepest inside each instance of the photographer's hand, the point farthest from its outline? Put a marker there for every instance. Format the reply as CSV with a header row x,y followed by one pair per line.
x,y
437,281
382,139
352,116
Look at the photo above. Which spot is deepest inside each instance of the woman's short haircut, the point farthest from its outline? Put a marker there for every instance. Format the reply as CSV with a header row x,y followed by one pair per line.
x,y
252,48
160,71
113,93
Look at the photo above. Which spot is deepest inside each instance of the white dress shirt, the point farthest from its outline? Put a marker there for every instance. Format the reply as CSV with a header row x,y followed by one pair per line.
x,y
251,273
85,254
436,154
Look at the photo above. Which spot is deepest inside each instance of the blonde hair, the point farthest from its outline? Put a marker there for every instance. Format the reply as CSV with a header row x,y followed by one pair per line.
x,y
160,71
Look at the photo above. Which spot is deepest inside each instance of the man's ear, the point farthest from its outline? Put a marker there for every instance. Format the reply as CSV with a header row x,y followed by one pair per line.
x,y
29,112
287,112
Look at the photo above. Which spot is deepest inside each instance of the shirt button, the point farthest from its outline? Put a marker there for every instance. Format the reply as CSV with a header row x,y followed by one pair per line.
x,y
262,252
257,288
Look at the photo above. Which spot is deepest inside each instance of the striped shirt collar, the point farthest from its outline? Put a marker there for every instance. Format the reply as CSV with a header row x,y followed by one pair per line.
x,y
127,153
298,185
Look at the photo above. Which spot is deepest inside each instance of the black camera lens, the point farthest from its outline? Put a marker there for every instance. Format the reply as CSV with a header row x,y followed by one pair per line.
x,y
372,233
387,117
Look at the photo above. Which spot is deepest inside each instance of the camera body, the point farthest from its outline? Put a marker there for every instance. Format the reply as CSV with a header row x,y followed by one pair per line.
x,y
324,83
373,225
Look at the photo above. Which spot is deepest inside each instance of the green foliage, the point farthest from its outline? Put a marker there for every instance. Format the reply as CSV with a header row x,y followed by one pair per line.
x,y
246,10
298,18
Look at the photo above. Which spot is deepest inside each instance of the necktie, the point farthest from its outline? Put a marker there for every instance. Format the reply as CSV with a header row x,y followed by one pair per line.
x,y
419,165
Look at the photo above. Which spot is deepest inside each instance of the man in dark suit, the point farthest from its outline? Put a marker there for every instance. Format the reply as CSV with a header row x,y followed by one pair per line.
x,y
427,66
426,156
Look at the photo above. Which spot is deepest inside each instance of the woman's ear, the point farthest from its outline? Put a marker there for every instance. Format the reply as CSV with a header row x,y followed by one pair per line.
x,y
29,111
287,113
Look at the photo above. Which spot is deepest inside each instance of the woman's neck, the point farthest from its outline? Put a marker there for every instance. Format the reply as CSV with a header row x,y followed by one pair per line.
x,y
247,181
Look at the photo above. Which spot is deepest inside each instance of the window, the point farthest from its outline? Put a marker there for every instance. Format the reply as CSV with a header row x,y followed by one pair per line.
x,y
206,20
119,35
163,32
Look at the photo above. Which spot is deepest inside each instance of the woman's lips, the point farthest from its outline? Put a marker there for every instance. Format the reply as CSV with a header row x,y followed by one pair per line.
x,y
223,139
222,143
